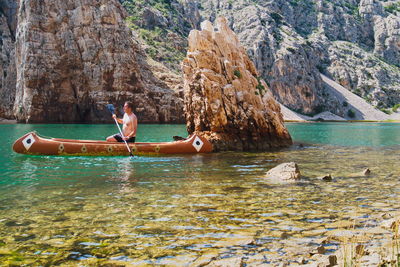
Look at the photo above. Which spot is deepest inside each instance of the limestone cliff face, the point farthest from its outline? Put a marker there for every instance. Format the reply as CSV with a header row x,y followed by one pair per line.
x,y
279,52
225,99
73,57
302,38
7,57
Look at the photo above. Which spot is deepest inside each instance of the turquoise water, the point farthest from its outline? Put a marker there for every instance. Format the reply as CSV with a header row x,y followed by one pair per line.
x,y
347,134
184,210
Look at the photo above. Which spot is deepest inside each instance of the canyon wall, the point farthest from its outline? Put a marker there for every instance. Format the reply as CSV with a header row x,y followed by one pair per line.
x,y
74,57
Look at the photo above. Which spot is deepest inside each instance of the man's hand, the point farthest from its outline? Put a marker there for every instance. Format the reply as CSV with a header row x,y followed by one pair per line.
x,y
114,116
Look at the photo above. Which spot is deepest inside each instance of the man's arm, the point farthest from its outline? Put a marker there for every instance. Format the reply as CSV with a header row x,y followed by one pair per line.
x,y
120,121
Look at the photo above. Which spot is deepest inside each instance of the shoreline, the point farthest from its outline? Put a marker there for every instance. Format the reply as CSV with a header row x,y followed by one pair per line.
x,y
7,121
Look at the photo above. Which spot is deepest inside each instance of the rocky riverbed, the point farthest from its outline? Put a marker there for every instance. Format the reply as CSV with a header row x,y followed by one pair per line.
x,y
207,209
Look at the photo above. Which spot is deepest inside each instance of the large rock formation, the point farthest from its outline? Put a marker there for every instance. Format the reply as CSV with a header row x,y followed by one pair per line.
x,y
225,99
8,17
73,57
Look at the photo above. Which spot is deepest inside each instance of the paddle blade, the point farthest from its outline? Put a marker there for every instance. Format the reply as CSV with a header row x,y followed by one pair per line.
x,y
111,108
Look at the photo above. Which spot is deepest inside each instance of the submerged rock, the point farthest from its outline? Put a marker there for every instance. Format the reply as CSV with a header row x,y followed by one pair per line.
x,y
285,172
327,178
225,99
365,172
227,262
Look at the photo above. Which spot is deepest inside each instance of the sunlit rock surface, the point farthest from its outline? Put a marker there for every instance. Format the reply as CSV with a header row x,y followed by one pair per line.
x,y
225,99
73,57
284,172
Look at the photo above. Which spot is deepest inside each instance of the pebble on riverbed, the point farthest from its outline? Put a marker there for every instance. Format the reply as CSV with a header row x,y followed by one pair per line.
x,y
366,172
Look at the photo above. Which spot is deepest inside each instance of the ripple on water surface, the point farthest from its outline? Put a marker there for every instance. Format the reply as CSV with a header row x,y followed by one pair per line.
x,y
171,210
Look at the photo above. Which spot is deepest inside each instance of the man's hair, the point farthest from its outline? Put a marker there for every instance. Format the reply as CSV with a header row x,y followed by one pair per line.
x,y
129,104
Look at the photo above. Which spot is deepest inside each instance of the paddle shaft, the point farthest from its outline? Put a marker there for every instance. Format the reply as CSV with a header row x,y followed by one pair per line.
x,y
122,135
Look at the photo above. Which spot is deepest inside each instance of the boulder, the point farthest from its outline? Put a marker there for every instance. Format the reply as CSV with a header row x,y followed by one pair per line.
x,y
284,172
225,99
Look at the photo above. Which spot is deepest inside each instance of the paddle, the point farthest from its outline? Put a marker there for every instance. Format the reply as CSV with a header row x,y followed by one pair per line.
x,y
111,108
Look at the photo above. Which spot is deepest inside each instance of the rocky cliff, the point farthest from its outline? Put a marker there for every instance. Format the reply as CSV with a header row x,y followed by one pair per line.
x,y
73,57
355,42
225,99
8,17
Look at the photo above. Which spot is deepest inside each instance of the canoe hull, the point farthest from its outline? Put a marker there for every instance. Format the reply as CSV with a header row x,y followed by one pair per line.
x,y
33,144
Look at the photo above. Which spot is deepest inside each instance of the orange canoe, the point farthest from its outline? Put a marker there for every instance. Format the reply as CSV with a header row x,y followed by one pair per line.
x,y
33,144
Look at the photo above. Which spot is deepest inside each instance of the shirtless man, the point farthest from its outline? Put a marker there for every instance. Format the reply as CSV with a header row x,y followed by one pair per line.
x,y
129,125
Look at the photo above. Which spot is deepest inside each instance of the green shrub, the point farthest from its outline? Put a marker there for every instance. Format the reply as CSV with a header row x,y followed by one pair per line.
x,y
320,68
277,17
291,49
237,73
385,110
345,104
319,109
277,35
351,113
260,87
396,107
392,8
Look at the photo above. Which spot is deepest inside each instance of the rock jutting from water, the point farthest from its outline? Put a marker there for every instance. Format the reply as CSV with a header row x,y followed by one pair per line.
x,y
225,99
288,171
74,57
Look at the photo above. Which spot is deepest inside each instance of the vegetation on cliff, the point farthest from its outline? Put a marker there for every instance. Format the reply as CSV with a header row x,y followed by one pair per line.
x,y
163,27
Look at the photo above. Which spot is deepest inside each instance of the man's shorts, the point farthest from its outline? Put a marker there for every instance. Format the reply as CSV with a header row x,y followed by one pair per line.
x,y
118,137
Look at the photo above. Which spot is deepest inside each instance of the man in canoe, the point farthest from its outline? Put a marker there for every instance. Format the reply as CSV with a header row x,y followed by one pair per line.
x,y
129,125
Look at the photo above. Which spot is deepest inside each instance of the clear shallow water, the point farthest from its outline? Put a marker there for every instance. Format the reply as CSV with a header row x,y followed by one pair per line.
x,y
187,209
